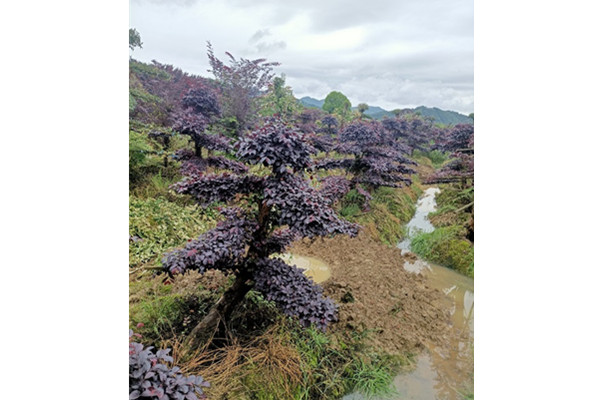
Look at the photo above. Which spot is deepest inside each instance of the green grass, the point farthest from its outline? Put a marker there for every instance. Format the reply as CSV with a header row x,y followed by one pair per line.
x,y
330,368
166,311
372,378
389,210
436,158
445,246
335,367
162,225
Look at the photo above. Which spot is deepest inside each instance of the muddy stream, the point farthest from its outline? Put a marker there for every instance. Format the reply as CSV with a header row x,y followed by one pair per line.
x,y
441,372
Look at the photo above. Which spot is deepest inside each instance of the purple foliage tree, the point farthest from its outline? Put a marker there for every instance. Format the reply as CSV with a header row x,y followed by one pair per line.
x,y
376,158
199,108
241,83
167,83
307,120
414,131
459,141
279,206
329,125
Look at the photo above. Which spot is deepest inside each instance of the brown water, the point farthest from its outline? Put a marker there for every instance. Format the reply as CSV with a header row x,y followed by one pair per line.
x,y
442,372
445,372
313,267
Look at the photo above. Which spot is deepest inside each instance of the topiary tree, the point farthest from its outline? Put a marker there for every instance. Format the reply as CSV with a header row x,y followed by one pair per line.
x,y
460,139
199,108
329,125
306,121
412,130
278,206
320,138
460,142
376,160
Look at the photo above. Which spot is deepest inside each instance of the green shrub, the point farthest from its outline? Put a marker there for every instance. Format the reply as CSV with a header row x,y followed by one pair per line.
x,y
139,148
149,70
350,210
162,225
445,247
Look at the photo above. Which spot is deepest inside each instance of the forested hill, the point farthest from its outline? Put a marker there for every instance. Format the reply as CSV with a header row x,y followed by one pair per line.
x,y
441,116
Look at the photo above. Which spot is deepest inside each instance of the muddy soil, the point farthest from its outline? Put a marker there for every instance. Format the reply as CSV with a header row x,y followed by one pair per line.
x,y
375,293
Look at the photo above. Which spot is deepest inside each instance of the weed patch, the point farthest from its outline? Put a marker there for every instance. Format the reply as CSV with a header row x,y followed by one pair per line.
x,y
158,225
444,246
390,209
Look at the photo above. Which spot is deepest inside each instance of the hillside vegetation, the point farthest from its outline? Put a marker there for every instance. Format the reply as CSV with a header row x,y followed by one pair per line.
x,y
226,174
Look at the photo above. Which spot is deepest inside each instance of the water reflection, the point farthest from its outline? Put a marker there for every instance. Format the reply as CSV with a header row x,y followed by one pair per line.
x,y
443,372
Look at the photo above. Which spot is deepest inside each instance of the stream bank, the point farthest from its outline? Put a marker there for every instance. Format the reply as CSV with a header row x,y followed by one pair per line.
x,y
443,372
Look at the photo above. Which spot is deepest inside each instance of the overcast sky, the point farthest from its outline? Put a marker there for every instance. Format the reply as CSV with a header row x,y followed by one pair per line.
x,y
390,53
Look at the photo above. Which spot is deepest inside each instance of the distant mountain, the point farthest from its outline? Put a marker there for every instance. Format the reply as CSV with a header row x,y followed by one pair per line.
x,y
375,112
444,117
311,103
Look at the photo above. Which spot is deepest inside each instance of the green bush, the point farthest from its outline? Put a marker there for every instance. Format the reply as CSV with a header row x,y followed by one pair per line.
x,y
445,247
139,148
148,70
162,225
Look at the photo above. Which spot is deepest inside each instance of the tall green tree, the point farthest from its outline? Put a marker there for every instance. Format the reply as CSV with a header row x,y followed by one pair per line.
x,y
135,39
337,103
362,107
279,100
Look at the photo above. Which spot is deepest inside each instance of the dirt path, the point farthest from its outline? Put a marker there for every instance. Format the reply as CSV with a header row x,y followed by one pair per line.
x,y
375,293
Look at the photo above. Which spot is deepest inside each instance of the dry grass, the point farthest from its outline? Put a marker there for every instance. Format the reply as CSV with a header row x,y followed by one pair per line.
x,y
268,362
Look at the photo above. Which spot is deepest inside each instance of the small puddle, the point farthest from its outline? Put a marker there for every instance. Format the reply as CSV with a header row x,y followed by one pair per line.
x,y
313,267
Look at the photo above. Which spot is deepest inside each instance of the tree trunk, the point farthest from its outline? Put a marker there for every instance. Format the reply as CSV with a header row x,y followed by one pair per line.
x,y
198,150
219,312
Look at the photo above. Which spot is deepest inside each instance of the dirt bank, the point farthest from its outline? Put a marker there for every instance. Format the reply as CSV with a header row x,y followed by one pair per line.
x,y
375,293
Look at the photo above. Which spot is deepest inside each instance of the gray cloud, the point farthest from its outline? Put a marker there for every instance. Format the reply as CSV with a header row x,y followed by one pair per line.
x,y
387,52
265,47
261,33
